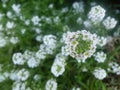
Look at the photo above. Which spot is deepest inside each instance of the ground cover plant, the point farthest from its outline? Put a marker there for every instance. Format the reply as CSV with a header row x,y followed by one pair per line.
x,y
49,45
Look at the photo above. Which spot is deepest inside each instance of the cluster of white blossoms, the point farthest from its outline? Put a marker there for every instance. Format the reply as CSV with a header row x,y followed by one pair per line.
x,y
22,74
35,20
18,59
80,45
51,84
109,23
78,7
100,73
20,86
16,8
114,68
19,75
28,57
96,14
50,41
58,66
102,41
100,57
48,46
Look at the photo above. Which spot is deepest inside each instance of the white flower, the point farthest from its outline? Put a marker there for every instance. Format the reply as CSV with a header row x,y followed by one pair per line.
x,y
96,14
16,8
48,50
3,42
100,57
48,20
50,41
28,54
14,40
9,14
35,20
10,25
23,31
13,75
100,73
102,41
51,6
109,23
114,67
56,20
38,30
87,24
78,6
38,38
64,10
27,22
58,66
80,45
2,78
36,77
40,54
1,15
33,62
65,50
19,86
23,74
1,27
51,85
17,58
79,20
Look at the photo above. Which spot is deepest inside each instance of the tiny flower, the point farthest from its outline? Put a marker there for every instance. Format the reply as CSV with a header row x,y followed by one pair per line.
x,y
33,62
51,85
16,8
18,59
78,6
3,41
50,41
23,74
100,57
96,14
14,40
35,20
100,73
109,23
10,25
58,66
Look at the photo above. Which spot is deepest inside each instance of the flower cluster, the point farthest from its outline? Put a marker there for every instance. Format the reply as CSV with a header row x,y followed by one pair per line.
x,y
100,73
80,45
96,14
58,66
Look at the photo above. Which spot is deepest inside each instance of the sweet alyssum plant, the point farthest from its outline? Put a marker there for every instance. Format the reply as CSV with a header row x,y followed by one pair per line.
x,y
45,48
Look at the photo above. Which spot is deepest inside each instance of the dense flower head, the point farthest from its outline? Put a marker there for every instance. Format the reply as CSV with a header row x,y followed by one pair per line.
x,y
109,23
58,66
100,57
51,84
50,40
23,74
18,59
80,44
96,14
100,73
114,68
